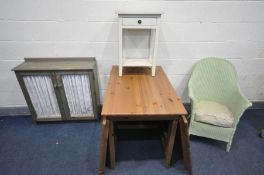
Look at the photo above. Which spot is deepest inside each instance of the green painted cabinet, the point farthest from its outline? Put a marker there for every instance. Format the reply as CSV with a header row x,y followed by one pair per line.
x,y
58,89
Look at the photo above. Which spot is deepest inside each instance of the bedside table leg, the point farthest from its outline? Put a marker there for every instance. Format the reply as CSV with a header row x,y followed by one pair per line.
x,y
120,71
103,146
153,70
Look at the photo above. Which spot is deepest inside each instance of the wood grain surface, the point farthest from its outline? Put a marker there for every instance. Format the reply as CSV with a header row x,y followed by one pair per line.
x,y
138,93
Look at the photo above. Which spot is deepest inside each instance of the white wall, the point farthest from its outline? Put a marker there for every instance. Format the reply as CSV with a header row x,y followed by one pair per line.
x,y
190,31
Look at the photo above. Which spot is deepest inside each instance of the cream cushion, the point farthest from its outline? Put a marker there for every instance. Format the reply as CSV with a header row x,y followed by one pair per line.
x,y
214,113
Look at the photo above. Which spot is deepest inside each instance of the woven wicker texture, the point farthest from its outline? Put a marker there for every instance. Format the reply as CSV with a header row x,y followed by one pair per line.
x,y
216,80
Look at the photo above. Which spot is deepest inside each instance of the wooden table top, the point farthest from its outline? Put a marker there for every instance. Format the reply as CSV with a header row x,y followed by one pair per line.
x,y
138,93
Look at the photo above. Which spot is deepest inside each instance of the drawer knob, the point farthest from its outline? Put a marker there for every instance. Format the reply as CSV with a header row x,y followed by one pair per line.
x,y
139,21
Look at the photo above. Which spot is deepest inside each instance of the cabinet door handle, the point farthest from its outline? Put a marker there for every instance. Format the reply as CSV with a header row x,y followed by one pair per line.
x,y
139,21
55,85
59,84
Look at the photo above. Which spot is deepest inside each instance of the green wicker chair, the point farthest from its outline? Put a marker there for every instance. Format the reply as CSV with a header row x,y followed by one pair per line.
x,y
215,79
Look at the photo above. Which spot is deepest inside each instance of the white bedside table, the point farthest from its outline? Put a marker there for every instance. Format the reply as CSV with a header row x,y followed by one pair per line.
x,y
138,22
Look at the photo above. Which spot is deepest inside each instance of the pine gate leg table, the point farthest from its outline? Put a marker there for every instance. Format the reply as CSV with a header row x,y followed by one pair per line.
x,y
137,96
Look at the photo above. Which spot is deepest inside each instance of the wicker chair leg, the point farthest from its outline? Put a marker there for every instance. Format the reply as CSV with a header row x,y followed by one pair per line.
x,y
262,133
228,146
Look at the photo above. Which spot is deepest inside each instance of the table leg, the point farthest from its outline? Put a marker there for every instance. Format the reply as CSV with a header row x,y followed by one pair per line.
x,y
103,146
185,144
112,144
170,141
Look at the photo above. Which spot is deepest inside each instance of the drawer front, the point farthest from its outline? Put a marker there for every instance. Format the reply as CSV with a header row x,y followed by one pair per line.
x,y
139,21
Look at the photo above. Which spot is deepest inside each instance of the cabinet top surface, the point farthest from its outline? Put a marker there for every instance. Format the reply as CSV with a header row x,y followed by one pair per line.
x,y
137,93
51,64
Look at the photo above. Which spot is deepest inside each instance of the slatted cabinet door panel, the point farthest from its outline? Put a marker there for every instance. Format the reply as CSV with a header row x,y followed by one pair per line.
x,y
60,89
42,94
77,90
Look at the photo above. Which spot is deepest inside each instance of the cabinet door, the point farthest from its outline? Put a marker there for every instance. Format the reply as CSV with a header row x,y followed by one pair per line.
x,y
42,96
79,96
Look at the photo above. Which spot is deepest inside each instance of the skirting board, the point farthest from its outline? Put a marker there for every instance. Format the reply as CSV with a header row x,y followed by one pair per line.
x,y
14,111
23,110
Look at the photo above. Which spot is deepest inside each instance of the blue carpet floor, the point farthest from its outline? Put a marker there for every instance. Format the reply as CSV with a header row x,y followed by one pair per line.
x,y
27,148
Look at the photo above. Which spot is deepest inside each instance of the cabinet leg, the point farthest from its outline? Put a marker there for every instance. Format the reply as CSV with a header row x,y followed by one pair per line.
x,y
103,146
185,144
